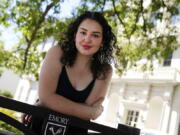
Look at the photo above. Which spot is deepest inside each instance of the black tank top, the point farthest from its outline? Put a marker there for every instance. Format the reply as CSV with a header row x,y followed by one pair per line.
x,y
66,89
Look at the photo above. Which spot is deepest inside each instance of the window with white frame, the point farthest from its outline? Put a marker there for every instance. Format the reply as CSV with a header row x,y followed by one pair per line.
x,y
167,61
132,118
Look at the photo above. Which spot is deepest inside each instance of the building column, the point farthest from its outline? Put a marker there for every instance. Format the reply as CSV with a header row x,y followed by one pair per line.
x,y
113,116
170,108
174,119
154,114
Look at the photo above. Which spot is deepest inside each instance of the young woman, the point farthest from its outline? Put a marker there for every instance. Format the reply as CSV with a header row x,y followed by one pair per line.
x,y
76,73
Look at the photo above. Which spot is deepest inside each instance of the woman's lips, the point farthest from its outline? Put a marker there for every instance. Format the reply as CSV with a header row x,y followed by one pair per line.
x,y
86,47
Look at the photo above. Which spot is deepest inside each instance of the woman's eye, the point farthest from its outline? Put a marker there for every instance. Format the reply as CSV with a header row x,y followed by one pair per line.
x,y
83,33
95,35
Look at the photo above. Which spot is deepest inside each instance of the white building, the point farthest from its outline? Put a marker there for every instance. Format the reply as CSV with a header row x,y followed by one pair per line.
x,y
149,101
26,91
9,81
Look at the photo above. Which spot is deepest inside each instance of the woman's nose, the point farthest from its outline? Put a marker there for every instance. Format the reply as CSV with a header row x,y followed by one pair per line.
x,y
87,38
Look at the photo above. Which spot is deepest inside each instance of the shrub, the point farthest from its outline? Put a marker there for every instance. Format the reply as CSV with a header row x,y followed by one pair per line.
x,y
6,93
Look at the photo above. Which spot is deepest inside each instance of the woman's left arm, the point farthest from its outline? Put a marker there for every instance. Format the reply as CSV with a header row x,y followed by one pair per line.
x,y
100,89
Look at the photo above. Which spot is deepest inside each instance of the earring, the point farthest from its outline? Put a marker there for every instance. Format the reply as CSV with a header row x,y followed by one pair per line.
x,y
101,58
101,55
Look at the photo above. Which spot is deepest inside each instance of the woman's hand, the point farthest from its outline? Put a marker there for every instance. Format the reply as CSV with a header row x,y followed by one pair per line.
x,y
97,108
26,118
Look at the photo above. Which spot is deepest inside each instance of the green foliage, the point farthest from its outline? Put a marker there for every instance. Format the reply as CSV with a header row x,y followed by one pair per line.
x,y
6,93
143,30
7,127
4,5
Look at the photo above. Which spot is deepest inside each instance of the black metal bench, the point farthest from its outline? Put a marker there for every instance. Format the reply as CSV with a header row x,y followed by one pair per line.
x,y
42,112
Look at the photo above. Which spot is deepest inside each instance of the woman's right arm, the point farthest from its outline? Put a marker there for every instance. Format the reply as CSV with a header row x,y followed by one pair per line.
x,y
48,81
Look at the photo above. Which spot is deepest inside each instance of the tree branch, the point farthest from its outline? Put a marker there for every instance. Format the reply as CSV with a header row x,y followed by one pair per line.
x,y
137,16
144,23
117,14
41,20
27,40
104,2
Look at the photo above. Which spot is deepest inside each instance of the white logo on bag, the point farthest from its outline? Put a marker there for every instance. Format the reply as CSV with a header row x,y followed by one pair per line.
x,y
58,119
54,129
57,132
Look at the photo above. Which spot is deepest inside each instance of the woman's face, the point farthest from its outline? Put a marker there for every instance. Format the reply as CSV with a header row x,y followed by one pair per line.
x,y
89,37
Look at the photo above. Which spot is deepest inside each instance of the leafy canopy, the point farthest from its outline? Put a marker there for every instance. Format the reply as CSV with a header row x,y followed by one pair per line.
x,y
144,28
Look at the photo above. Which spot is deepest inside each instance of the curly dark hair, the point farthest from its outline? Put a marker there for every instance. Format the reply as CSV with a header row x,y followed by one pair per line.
x,y
103,57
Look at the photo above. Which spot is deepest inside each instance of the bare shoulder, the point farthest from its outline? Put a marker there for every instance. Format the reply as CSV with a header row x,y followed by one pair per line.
x,y
55,50
107,74
52,61
54,55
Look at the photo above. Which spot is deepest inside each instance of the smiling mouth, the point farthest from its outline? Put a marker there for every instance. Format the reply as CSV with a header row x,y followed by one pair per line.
x,y
86,47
